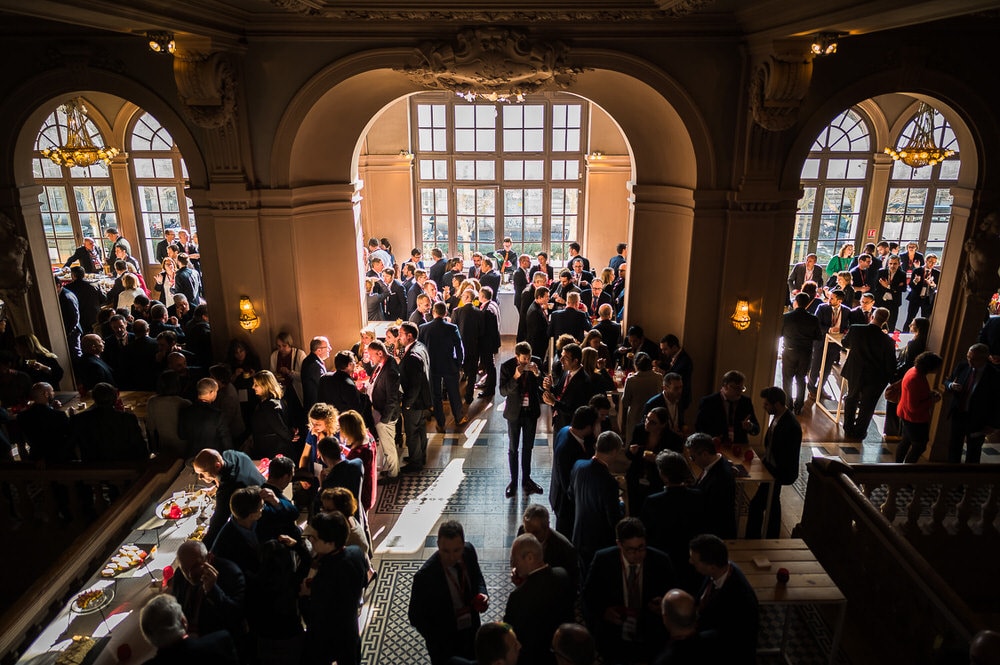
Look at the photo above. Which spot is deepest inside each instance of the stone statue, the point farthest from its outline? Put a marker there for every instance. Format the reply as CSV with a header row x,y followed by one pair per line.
x,y
15,279
982,272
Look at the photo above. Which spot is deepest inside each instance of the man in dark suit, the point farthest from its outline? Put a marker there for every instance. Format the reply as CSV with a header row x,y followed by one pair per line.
x,y
673,358
89,297
164,625
800,331
924,283
685,643
889,289
557,550
490,277
574,254
69,308
573,390
414,290
341,472
449,592
394,305
542,599
726,603
728,414
570,445
569,320
833,317
447,355
339,390
536,320
520,278
89,256
596,296
114,354
436,271
620,257
384,390
622,595
805,271
202,425
415,383
45,427
611,330
580,275
229,471
104,434
669,398
141,354
674,516
782,445
975,390
717,483
868,369
565,287
211,592
471,324
313,369
489,345
278,514
864,277
90,369
521,385
187,280
595,499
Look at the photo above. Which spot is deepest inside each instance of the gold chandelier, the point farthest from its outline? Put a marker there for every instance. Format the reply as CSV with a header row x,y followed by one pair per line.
x,y
920,150
79,149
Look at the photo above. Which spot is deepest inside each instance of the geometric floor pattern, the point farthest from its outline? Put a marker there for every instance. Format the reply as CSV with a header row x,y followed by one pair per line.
x,y
478,492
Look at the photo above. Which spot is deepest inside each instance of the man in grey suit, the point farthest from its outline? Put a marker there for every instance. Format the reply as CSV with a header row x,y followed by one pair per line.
x,y
803,272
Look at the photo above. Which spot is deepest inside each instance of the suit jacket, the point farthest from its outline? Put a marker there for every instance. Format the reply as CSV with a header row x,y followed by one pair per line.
x,y
558,289
732,611
890,296
219,609
800,329
444,346
91,370
47,432
349,474
719,489
672,518
436,271
520,280
414,378
983,411
515,390
202,425
240,546
385,392
412,292
188,282
90,299
872,358
542,603
339,390
639,389
586,261
568,321
596,505
594,304
713,418
471,324
861,278
536,330
605,588
86,259
824,314
798,276
990,335
238,471
395,303
490,342
566,452
491,279
782,445
430,601
571,393
104,434
312,370
611,332
212,649
330,611
917,278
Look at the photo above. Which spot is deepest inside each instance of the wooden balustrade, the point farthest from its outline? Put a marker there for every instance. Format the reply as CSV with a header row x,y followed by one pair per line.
x,y
53,554
869,550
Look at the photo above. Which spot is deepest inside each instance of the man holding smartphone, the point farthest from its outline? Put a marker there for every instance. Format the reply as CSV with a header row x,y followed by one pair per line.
x,y
521,384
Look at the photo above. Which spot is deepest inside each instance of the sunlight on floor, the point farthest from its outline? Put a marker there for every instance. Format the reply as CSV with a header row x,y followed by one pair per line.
x,y
422,513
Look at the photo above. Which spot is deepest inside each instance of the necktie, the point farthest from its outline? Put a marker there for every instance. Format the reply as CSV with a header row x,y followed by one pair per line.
x,y
706,596
632,583
967,390
378,369
835,322
731,412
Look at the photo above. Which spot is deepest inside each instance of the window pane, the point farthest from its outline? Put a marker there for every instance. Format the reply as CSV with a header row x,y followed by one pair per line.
x,y
810,169
164,168
513,169
143,167
949,169
533,139
836,169
534,170
513,140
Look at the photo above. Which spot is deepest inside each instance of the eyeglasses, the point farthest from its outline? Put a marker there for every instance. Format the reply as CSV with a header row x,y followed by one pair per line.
x,y
634,550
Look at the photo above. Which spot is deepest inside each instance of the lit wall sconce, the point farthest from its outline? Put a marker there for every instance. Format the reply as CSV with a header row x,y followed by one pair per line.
x,y
406,154
825,43
161,42
741,315
597,155
248,317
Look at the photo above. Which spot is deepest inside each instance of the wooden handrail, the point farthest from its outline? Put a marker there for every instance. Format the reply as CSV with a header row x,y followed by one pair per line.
x,y
22,621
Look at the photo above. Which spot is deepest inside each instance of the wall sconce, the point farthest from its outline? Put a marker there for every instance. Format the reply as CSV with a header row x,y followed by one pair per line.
x,y
161,42
741,315
597,155
406,154
824,43
248,317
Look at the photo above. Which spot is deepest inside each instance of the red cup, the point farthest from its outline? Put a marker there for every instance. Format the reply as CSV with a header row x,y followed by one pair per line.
x,y
480,602
782,575
749,456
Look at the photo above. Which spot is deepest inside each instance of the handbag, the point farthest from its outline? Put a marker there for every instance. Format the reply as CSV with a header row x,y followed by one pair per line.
x,y
894,391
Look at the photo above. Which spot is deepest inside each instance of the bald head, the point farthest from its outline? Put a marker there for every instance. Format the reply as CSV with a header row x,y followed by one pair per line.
x,y
42,393
208,464
573,644
679,613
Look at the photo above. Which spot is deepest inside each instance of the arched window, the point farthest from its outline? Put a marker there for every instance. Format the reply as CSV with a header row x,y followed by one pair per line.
x,y
835,179
159,177
76,202
918,206
487,170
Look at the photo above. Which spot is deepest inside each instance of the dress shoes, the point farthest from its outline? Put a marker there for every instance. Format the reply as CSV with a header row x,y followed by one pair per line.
x,y
412,468
485,395
509,492
531,487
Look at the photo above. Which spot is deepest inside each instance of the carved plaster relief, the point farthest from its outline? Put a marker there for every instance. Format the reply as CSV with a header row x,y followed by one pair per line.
x,y
778,86
206,87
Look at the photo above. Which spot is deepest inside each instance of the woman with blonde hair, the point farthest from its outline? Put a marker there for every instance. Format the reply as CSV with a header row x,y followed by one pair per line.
x,y
270,426
165,280
360,350
130,289
322,423
38,362
600,380
361,445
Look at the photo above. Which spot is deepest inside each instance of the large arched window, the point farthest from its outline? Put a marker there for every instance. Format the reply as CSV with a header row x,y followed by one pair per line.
x,y
76,202
918,206
159,177
488,170
835,179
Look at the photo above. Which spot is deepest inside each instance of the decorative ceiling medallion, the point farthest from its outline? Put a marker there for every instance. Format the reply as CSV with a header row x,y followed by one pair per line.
x,y
491,62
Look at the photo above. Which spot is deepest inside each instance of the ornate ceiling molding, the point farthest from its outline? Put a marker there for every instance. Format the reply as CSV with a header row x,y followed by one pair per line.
x,y
206,87
494,61
779,85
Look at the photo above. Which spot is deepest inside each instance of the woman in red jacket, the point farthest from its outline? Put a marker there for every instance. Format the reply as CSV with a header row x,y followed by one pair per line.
x,y
915,407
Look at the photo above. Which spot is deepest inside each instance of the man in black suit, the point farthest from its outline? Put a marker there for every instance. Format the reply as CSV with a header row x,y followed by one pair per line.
x,y
421,313
278,514
520,278
339,390
805,271
490,276
447,355
580,275
864,277
45,427
187,280
449,592
728,414
975,390
211,592
313,369
611,330
69,308
414,290
536,320
573,390
89,297
89,256
115,352
636,341
471,324
685,643
489,345
673,358
341,472
383,387
565,287
669,398
141,354
924,283
834,317
782,445
889,289
229,471
674,516
868,369
596,296
595,499
169,236
104,434
717,483
800,331
557,550
436,271
542,599
574,254
202,425
394,305
164,625
569,320
521,385
90,369
415,383
570,445
726,603
622,595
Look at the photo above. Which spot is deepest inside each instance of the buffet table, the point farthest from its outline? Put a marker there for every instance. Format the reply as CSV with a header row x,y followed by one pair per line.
x,y
113,621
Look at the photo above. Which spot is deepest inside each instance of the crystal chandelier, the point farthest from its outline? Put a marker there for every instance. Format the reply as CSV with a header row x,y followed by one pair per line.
x,y
920,150
79,149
